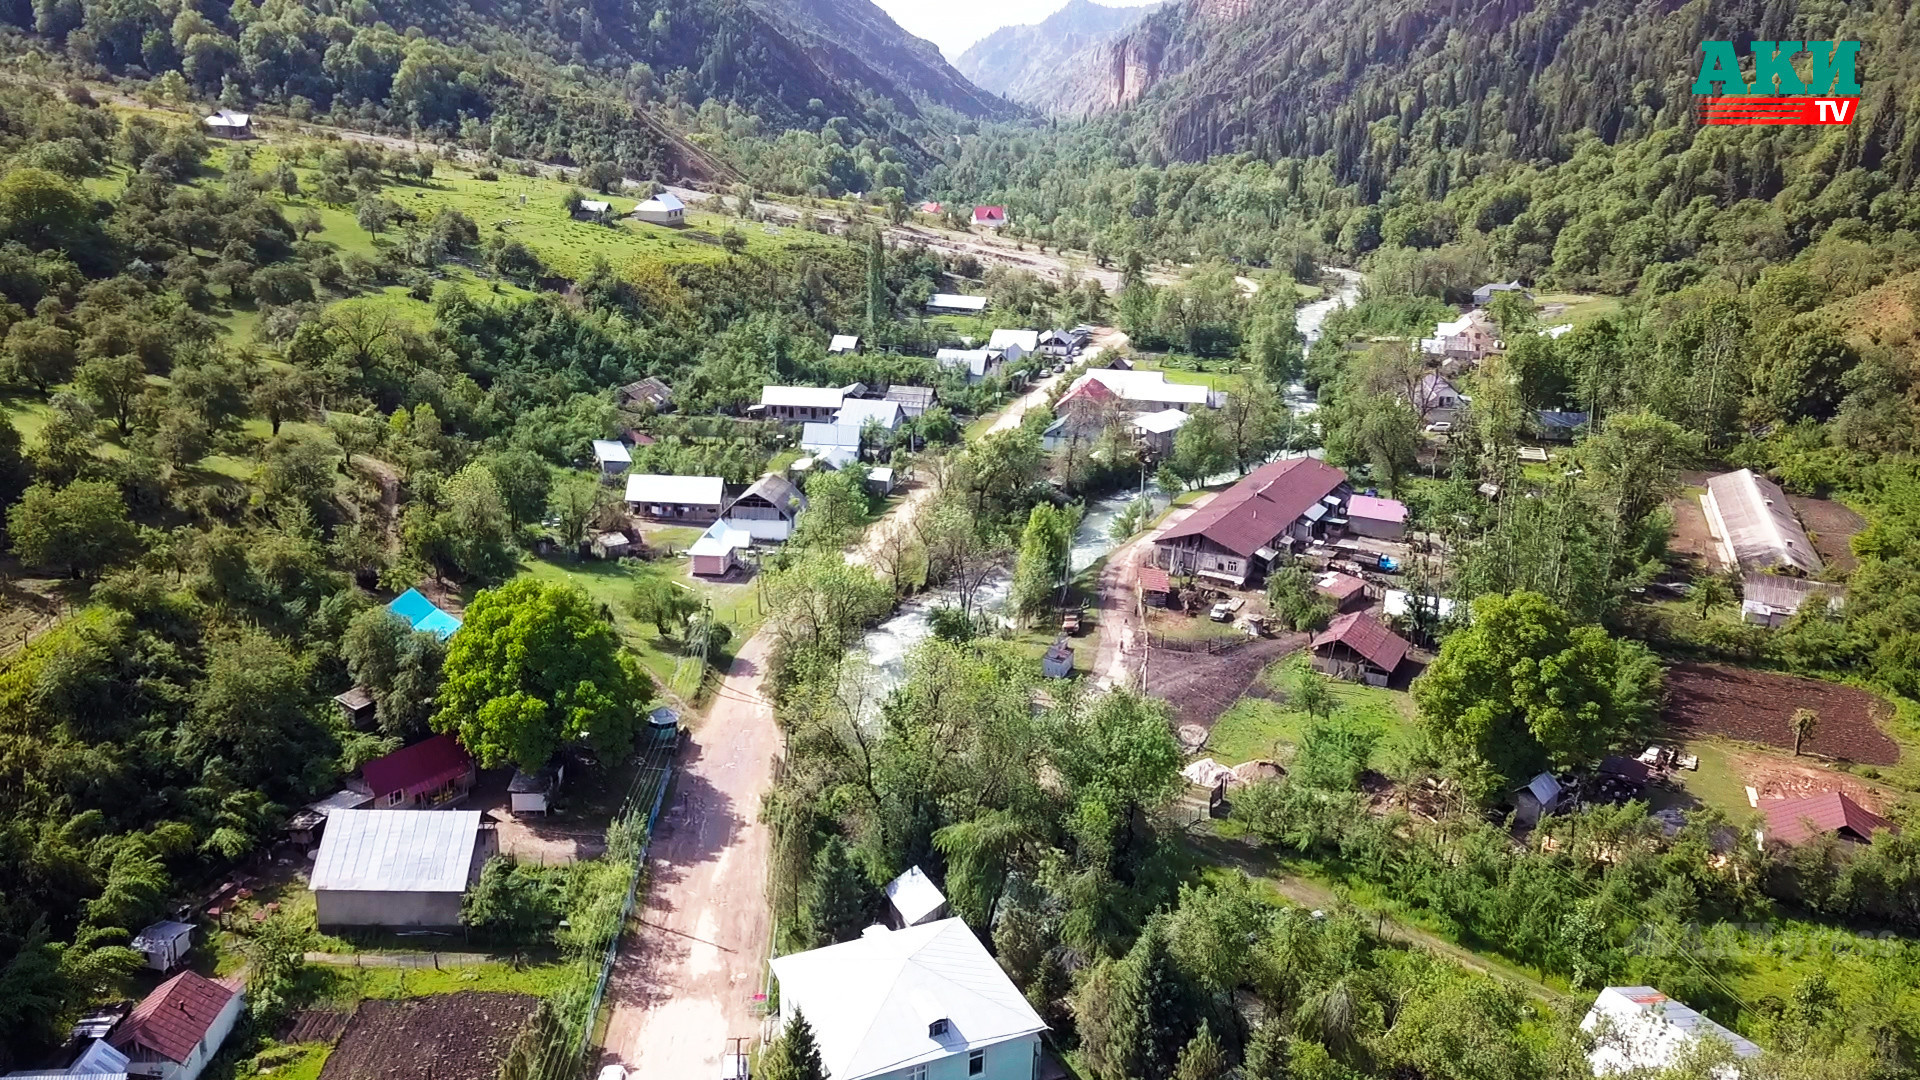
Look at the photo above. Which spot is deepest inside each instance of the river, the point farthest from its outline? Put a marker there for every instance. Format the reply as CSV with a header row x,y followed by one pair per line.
x,y
888,644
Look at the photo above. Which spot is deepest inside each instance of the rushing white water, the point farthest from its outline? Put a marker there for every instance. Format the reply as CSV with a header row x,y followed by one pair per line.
x,y
888,644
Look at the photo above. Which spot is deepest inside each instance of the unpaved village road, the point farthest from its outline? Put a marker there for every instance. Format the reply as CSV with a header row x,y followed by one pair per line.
x,y
685,983
1116,663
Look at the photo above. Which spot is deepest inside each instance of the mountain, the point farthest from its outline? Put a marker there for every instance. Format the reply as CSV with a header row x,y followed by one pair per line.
x,y
856,43
1048,64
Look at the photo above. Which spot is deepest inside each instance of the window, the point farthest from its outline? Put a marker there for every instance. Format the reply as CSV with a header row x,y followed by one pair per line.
x,y
394,797
916,1072
938,1028
976,1062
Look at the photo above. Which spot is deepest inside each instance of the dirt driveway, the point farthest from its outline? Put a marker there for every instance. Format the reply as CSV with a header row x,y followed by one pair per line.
x,y
1118,660
685,983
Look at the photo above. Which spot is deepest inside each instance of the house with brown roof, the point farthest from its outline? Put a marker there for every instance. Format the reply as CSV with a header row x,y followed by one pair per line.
x,y
432,773
1357,648
176,1030
648,393
1830,813
1238,535
768,509
1346,591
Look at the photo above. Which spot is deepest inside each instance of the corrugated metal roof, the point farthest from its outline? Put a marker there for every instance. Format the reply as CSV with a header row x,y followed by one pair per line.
x,y
1756,525
684,490
1792,821
803,397
605,450
1642,1028
1253,512
173,1019
424,766
914,895
396,851
1360,632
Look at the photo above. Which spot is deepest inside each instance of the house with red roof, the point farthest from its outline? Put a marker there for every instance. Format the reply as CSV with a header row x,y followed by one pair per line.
x,y
1830,813
1356,647
1081,414
990,216
1237,536
434,772
176,1030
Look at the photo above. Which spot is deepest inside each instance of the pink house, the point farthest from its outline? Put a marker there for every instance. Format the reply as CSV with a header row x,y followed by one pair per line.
x,y
1383,519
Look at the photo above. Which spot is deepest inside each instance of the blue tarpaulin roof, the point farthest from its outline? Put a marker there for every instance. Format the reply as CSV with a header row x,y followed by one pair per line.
x,y
423,615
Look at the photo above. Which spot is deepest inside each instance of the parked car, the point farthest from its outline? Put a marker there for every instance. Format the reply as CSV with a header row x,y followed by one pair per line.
x,y
1440,427
1221,612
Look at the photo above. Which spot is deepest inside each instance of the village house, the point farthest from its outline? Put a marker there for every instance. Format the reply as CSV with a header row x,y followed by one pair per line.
x,y
611,456
1063,343
1081,414
648,393
833,445
1355,647
1436,401
914,400
1381,519
977,364
1755,525
430,773
398,868
675,498
802,404
663,209
1484,295
717,552
1155,431
1149,391
1238,536
926,1002
1640,1030
1831,813
227,124
176,1030
941,303
423,615
1014,344
990,217
1470,337
843,343
913,898
592,209
768,509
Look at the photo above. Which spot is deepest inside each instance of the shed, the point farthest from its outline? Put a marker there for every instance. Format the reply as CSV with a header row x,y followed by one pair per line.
x,y
424,615
913,400
397,867
880,480
1156,430
306,825
1154,586
594,207
1346,591
648,393
675,498
1773,599
663,718
1058,663
176,1030
432,772
913,898
1537,799
1558,425
356,705
1641,1030
164,944
768,510
1484,295
716,553
1357,648
531,793
612,456
663,209
991,217
611,545
1755,525
1382,519
843,343
1401,604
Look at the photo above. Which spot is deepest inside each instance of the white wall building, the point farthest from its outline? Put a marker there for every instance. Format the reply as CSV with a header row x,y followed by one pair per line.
x,y
176,1030
1640,1028
923,1003
663,209
397,867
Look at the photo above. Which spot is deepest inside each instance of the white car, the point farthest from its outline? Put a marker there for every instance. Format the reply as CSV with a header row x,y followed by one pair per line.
x,y
1439,427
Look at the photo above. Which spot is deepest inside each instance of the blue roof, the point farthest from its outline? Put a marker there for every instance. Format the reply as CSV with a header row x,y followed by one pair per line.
x,y
423,614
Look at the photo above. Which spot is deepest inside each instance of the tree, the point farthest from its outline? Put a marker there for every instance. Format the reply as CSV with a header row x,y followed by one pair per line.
x,y
574,499
1634,460
664,602
82,527
285,394
401,667
834,900
515,902
1045,547
1267,1054
1802,724
1201,448
1136,1014
38,352
470,533
836,505
1710,592
1523,687
113,385
795,1055
535,665
1202,1058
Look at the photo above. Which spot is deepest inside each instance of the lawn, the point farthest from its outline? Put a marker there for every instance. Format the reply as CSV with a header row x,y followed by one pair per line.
x,y
1258,727
1176,371
1577,308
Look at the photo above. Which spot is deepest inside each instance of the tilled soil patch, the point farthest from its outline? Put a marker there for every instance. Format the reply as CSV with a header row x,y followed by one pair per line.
x,y
1758,706
460,1036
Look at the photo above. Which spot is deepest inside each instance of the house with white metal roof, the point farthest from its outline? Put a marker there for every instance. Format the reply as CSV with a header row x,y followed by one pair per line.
x,y
923,1002
1155,430
1014,344
913,898
227,124
612,456
800,404
663,209
1150,390
1639,1029
836,445
941,303
977,364
843,343
676,498
397,867
856,412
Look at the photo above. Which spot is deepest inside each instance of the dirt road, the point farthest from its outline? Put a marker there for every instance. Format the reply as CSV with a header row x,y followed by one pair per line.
x,y
1116,663
685,984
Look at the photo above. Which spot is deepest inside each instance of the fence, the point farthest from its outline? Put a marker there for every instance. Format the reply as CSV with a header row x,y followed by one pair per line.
x,y
1217,646
555,1047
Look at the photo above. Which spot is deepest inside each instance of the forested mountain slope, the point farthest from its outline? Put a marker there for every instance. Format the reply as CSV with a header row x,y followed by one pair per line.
x,y
1051,65
605,80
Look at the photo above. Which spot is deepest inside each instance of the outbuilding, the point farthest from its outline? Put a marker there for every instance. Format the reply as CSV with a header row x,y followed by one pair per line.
x,y
1154,586
717,551
164,944
612,456
1640,1030
843,343
1346,591
1538,799
1058,663
1830,813
1382,519
227,124
611,545
176,1030
1357,648
1755,525
913,898
532,793
397,867
955,304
